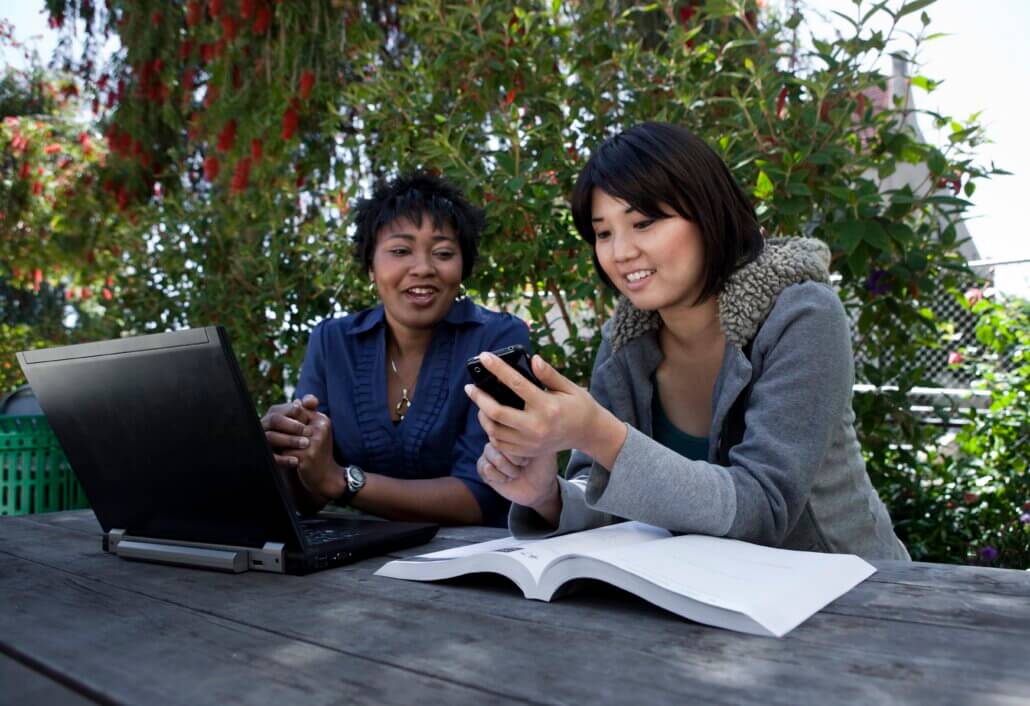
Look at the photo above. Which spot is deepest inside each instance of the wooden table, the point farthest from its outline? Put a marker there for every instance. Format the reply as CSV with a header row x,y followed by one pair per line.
x,y
78,625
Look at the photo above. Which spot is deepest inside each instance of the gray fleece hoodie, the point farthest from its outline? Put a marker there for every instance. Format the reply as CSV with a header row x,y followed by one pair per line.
x,y
796,479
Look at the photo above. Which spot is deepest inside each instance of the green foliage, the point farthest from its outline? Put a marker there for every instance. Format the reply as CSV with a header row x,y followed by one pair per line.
x,y
979,495
238,130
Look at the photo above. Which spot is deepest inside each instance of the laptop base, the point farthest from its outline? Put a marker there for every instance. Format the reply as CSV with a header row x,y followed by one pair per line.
x,y
271,557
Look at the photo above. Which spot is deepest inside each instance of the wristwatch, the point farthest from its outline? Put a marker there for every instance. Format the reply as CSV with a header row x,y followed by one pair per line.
x,y
355,482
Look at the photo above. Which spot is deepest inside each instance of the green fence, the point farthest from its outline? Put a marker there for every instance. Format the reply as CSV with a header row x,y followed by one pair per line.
x,y
34,473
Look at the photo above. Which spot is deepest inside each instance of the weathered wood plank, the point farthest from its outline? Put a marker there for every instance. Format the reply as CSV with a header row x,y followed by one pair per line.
x,y
136,649
1007,582
27,687
659,655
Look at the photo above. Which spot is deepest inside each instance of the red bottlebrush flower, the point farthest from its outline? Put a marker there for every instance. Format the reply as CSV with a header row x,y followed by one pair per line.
x,y
207,52
860,103
686,13
37,188
781,103
211,167
299,181
510,98
52,148
24,171
155,19
102,82
241,176
262,19
256,149
289,126
229,28
237,79
307,82
123,198
195,128
185,49
189,77
211,95
37,278
246,9
194,13
227,137
215,7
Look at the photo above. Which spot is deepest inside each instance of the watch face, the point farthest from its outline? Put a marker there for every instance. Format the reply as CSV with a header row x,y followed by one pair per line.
x,y
355,478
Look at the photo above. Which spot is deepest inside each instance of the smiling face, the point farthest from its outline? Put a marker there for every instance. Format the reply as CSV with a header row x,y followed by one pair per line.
x,y
417,271
656,263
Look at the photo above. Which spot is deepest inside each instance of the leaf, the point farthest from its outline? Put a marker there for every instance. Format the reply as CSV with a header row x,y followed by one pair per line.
x,y
914,6
764,187
937,162
927,84
848,234
876,236
901,233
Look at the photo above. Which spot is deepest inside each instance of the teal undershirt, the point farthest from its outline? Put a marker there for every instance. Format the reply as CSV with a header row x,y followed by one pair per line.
x,y
672,437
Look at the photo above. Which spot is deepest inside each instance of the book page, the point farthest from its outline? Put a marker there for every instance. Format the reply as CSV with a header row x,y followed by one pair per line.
x,y
778,588
537,554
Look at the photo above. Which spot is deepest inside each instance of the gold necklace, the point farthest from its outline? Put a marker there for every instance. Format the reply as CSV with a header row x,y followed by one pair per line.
x,y
404,405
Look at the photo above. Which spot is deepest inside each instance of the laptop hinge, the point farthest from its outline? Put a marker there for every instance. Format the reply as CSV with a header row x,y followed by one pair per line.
x,y
270,557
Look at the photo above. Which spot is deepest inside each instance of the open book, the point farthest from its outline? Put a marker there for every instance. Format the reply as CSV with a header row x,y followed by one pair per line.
x,y
712,580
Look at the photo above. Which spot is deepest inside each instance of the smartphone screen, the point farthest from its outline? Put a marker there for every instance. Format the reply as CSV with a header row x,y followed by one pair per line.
x,y
515,356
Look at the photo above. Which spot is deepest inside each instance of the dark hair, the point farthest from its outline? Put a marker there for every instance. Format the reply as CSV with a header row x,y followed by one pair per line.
x,y
415,196
653,164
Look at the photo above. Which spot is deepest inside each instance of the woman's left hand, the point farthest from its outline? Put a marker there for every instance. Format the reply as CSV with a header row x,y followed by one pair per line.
x,y
565,416
316,468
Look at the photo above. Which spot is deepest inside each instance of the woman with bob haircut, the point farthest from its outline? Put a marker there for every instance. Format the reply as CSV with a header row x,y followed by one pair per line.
x,y
720,400
380,421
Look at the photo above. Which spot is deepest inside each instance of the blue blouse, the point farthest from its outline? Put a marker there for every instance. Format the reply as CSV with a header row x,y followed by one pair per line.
x,y
345,368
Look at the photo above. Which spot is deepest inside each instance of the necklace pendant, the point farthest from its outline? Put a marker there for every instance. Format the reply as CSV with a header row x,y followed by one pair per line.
x,y
403,406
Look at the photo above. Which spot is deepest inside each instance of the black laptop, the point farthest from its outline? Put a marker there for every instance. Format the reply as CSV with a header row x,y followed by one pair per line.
x,y
163,436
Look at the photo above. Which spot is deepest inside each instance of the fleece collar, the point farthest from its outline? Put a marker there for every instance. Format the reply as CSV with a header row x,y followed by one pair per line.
x,y
749,293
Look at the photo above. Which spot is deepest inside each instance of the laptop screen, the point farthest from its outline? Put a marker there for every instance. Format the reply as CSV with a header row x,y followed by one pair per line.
x,y
163,436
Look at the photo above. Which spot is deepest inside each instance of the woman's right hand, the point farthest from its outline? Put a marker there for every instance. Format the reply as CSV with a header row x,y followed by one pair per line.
x,y
531,482
286,428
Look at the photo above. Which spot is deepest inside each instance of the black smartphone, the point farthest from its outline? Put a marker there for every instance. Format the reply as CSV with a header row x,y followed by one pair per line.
x,y
515,356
